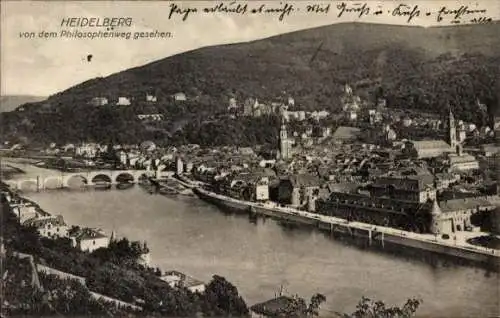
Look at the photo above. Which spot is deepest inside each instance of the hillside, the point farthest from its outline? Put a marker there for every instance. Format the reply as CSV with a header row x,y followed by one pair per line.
x,y
10,102
412,67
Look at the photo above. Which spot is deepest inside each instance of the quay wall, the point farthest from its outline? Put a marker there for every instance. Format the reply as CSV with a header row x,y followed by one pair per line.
x,y
376,233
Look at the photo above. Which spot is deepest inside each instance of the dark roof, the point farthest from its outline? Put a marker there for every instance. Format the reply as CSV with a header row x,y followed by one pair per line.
x,y
376,204
307,180
88,234
409,183
282,306
464,204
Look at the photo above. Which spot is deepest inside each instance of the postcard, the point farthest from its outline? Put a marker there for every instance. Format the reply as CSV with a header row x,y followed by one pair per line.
x,y
250,158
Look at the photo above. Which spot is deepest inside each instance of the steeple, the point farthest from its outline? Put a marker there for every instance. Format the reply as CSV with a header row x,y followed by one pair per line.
x,y
284,151
452,130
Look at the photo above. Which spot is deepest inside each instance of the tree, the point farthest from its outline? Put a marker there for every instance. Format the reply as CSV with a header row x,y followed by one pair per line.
x,y
368,308
316,301
223,299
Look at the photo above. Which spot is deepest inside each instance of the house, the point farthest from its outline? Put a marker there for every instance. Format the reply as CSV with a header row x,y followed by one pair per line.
x,y
150,117
89,239
489,150
455,215
444,180
296,190
232,103
462,162
123,101
151,98
25,212
86,150
412,188
247,186
180,97
49,226
178,279
99,101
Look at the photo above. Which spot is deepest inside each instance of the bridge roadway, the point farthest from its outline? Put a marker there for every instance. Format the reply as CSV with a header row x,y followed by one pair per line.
x,y
55,180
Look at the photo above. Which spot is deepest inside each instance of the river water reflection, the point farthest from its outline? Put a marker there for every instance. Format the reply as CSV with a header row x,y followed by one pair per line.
x,y
189,235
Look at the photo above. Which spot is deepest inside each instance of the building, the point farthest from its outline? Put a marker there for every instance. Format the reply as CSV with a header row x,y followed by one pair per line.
x,y
123,101
462,162
88,240
87,150
150,117
246,186
285,145
25,212
232,103
345,134
49,226
262,189
249,105
414,188
383,211
177,279
151,98
426,149
455,215
444,180
179,166
297,190
99,101
180,97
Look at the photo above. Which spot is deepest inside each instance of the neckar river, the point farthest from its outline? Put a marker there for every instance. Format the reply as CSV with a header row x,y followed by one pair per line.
x,y
189,235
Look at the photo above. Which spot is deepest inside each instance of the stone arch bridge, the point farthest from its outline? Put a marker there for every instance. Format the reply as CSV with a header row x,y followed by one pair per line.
x,y
64,179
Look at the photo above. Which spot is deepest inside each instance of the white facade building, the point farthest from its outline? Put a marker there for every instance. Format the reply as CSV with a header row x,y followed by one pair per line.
x,y
123,101
89,240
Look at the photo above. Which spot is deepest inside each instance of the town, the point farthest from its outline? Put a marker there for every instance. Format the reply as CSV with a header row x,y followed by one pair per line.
x,y
368,170
367,164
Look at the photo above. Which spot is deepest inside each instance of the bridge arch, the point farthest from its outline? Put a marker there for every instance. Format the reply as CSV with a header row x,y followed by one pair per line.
x,y
125,177
28,185
53,182
95,178
69,181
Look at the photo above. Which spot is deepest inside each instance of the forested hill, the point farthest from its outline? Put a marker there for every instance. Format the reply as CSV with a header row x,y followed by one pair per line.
x,y
412,67
10,102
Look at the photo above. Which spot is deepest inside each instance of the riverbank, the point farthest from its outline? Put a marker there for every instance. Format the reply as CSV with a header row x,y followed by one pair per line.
x,y
459,249
261,255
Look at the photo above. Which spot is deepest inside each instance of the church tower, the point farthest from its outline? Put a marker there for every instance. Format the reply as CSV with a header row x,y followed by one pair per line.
x,y
284,145
452,131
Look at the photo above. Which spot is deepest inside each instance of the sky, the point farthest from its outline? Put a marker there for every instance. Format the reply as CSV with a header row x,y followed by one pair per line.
x,y
45,66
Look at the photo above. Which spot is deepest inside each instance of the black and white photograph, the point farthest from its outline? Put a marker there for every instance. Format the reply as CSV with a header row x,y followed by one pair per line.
x,y
291,159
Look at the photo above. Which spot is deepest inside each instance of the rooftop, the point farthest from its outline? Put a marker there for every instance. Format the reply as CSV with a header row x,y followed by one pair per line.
x,y
344,132
464,204
430,144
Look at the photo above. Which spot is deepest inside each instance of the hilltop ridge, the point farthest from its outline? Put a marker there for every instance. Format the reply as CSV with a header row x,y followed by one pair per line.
x,y
412,67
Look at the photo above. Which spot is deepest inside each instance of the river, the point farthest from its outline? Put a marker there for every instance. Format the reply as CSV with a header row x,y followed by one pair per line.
x,y
187,234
